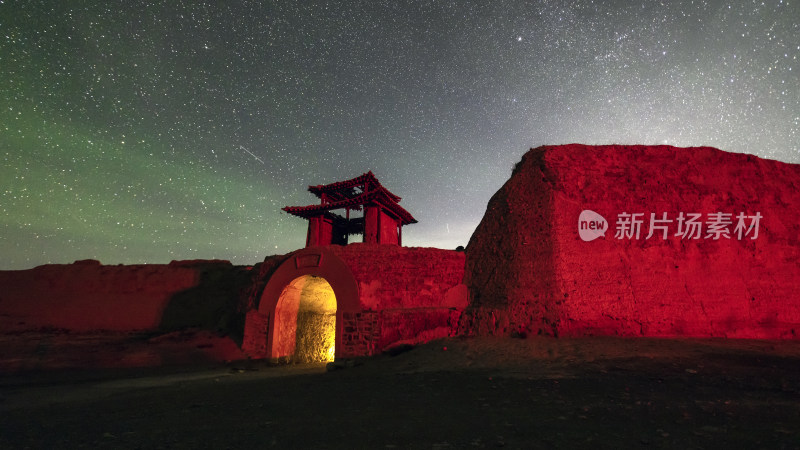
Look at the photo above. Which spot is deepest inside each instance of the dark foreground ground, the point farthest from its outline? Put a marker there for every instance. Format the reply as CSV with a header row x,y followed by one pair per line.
x,y
458,393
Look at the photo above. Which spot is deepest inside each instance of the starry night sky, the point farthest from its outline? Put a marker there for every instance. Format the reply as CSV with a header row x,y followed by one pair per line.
x,y
138,131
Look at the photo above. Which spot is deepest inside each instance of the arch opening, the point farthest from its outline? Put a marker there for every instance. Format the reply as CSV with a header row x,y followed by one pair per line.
x,y
305,321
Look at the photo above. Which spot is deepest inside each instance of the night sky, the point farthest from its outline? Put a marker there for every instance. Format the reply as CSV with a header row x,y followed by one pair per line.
x,y
135,131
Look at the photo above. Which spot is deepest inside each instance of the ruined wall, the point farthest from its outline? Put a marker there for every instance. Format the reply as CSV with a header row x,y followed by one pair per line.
x,y
88,296
385,295
361,332
408,295
399,295
529,271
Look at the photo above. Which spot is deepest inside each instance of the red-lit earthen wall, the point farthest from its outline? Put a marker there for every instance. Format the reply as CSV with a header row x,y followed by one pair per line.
x,y
408,295
529,272
386,295
87,296
391,295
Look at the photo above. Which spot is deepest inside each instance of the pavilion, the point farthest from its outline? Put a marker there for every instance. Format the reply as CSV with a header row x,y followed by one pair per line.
x,y
381,222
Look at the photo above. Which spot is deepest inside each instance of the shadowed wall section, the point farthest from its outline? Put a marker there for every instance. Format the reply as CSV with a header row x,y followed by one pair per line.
x,y
88,296
90,315
510,259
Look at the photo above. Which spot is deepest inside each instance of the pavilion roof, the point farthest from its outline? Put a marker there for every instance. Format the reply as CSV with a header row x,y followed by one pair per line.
x,y
352,194
350,188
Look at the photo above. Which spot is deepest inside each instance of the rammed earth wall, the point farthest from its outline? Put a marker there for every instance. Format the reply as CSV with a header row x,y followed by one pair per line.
x,y
385,294
529,271
408,295
87,296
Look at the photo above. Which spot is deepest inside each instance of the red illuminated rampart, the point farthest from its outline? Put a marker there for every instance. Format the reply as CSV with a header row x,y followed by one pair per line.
x,y
384,295
530,272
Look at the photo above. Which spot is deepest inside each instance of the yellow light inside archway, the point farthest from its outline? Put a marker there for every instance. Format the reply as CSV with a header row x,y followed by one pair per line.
x,y
332,349
315,339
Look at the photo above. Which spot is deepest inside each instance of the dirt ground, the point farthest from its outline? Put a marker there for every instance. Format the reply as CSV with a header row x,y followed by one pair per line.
x,y
453,393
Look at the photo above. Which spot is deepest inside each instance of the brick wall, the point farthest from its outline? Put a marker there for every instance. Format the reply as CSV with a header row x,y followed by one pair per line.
x,y
407,294
360,334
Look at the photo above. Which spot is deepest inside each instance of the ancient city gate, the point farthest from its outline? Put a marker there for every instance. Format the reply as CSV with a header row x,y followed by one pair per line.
x,y
336,300
355,300
302,308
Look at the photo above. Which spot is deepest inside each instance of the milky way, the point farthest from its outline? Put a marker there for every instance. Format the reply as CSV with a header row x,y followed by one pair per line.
x,y
145,132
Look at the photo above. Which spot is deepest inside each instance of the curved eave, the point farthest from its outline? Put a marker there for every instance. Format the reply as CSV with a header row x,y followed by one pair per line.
x,y
310,211
367,178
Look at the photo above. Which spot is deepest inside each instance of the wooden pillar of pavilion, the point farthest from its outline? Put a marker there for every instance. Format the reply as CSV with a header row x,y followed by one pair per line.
x,y
320,231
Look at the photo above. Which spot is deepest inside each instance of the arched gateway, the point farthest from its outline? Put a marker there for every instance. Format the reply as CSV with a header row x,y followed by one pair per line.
x,y
336,298
295,316
380,296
